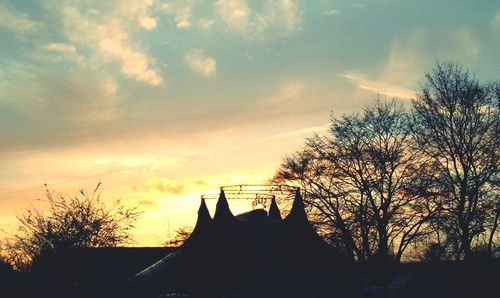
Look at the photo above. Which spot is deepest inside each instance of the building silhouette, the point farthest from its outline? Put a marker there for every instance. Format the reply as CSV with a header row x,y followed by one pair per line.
x,y
254,254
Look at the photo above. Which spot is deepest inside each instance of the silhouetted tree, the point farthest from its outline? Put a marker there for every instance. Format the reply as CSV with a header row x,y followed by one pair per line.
x,y
360,183
456,124
181,235
77,222
5,266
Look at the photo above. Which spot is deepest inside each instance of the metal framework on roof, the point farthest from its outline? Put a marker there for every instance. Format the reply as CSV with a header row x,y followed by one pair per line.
x,y
261,194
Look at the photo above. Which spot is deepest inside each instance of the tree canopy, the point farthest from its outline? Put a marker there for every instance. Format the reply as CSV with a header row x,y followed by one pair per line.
x,y
76,222
386,178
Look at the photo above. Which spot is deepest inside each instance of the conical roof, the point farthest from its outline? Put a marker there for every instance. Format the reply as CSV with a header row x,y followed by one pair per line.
x,y
203,223
203,215
274,211
222,211
297,213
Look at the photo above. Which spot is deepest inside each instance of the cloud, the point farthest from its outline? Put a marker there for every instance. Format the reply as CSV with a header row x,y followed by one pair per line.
x,y
109,38
147,23
55,52
404,64
286,93
496,23
291,13
89,162
235,13
113,43
240,17
293,133
468,41
148,203
182,9
103,108
379,87
171,186
332,12
61,47
183,24
206,23
49,95
201,63
16,21
403,68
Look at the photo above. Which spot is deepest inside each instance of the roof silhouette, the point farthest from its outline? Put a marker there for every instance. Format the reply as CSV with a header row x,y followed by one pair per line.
x,y
228,253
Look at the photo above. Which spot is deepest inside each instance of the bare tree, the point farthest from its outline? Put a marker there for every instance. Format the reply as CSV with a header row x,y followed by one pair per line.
x,y
456,125
360,183
181,235
78,222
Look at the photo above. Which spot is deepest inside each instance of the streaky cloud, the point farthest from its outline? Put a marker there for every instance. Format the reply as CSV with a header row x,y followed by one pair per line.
x,y
379,87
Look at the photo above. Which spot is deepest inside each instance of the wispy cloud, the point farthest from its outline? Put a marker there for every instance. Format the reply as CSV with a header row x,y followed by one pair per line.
x,y
164,185
206,23
252,22
201,63
16,21
172,186
235,13
57,51
332,12
291,13
61,47
401,71
181,9
285,94
468,41
148,203
496,23
294,133
379,87
73,164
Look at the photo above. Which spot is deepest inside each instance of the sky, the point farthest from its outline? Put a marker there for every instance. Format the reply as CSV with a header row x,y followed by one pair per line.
x,y
163,101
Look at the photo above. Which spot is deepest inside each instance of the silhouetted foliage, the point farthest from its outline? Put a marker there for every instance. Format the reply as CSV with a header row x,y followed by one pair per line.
x,y
359,182
181,235
77,222
5,266
456,125
385,179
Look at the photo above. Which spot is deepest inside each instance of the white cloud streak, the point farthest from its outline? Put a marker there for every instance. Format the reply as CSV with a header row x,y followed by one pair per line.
x,y
402,70
294,133
379,87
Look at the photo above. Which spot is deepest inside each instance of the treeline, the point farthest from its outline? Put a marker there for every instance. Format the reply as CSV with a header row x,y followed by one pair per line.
x,y
408,181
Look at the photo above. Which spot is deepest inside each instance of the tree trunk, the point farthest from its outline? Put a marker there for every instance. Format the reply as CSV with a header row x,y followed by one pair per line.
x,y
493,230
466,244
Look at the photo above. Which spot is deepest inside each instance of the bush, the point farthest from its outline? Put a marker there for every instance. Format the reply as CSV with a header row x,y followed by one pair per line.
x,y
78,222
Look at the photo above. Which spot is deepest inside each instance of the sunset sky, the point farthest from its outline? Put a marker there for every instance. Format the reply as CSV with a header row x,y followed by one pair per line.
x,y
162,100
